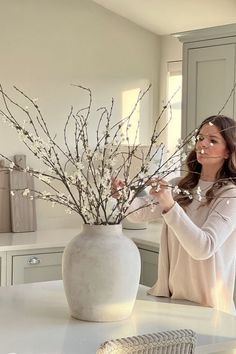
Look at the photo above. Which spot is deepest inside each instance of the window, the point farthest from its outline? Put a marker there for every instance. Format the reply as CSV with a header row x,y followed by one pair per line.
x,y
174,93
174,87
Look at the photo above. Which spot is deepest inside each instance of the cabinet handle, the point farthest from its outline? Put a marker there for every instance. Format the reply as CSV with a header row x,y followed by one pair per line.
x,y
34,260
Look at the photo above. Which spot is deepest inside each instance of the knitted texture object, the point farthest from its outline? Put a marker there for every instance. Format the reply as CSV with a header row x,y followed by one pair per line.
x,y
180,341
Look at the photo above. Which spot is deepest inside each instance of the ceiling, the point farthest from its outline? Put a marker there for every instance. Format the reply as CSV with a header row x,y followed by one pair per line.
x,y
170,16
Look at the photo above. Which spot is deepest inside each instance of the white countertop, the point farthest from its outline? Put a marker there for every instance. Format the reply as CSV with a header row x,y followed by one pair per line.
x,y
148,237
34,319
60,237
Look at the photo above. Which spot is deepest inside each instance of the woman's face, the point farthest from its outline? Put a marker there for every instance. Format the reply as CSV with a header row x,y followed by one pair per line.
x,y
211,147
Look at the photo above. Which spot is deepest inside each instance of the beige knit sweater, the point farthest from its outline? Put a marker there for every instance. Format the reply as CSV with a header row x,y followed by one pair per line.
x,y
197,257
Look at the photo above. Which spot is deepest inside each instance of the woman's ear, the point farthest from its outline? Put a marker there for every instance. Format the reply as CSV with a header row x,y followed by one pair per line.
x,y
226,154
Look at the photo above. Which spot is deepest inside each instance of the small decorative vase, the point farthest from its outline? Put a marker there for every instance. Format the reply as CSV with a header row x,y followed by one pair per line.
x,y
101,272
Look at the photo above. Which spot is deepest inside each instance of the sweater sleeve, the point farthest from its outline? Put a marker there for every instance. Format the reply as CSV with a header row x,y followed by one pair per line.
x,y
140,213
202,243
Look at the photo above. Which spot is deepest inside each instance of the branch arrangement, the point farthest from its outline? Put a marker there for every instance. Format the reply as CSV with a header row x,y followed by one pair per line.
x,y
79,172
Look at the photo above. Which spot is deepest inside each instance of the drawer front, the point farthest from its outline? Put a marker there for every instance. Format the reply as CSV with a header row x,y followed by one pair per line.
x,y
36,267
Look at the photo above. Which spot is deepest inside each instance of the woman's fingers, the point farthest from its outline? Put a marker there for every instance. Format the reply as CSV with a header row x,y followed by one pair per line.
x,y
116,185
157,183
158,186
152,181
116,181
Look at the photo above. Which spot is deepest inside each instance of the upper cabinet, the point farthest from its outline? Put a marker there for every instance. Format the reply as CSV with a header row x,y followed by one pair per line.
x,y
209,74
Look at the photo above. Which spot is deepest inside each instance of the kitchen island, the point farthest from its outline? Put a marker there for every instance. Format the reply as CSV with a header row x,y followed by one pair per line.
x,y
35,319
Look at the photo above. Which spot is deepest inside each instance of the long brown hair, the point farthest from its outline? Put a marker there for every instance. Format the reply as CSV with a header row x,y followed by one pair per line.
x,y
226,174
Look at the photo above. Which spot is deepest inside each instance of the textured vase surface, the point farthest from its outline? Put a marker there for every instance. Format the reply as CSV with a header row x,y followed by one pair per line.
x,y
101,272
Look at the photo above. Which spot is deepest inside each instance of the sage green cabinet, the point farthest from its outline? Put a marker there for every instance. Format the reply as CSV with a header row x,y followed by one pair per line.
x,y
209,68
30,266
149,264
149,267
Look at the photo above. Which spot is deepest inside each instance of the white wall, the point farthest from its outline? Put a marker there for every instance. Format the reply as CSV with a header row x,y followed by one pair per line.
x,y
46,45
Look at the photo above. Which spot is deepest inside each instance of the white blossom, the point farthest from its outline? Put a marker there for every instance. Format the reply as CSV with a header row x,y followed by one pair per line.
x,y
183,156
198,192
79,165
26,192
78,173
176,190
45,195
27,169
12,165
185,191
44,178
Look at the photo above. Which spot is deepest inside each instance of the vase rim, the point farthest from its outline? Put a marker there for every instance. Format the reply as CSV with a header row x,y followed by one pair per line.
x,y
101,225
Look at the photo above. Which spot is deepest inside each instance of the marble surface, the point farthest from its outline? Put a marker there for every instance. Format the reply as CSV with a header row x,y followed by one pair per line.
x,y
60,237
34,319
37,239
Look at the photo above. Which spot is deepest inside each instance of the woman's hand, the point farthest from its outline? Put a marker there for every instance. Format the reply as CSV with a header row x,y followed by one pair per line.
x,y
161,191
116,186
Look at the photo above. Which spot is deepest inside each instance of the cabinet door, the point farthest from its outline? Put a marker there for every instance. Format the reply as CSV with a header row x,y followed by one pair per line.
x,y
36,267
210,80
149,267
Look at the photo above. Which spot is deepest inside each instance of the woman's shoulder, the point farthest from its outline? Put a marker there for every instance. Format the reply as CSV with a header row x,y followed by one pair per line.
x,y
228,185
228,188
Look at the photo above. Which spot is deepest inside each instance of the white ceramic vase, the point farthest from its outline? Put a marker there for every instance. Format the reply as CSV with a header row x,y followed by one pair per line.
x,y
101,272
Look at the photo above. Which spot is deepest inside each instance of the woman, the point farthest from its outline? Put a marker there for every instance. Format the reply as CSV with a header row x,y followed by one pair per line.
x,y
197,257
